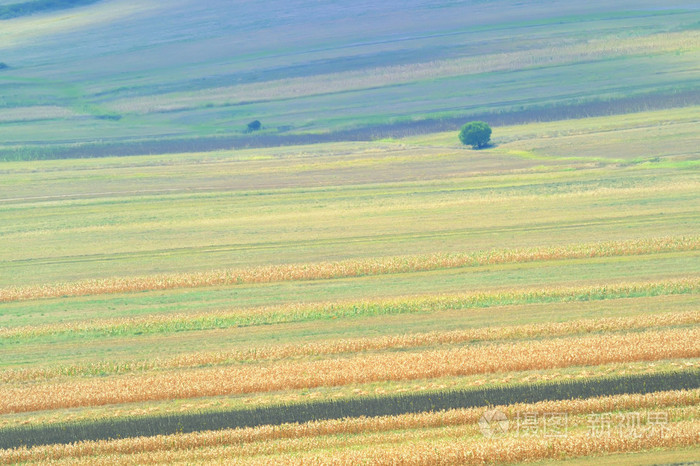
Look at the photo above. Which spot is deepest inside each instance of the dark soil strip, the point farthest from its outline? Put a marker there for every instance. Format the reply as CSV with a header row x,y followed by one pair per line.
x,y
363,406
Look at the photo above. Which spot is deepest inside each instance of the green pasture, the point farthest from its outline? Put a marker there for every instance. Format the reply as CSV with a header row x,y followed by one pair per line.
x,y
145,236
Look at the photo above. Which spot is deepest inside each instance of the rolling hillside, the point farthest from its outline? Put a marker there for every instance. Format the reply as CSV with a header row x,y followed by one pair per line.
x,y
114,73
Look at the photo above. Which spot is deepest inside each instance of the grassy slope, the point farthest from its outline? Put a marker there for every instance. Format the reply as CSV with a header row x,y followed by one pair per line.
x,y
480,59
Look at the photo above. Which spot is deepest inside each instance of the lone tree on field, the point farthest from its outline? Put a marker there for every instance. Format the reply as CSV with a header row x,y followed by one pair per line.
x,y
254,126
475,134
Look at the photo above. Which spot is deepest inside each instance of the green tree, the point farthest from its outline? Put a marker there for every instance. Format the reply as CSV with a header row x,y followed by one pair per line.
x,y
254,126
476,134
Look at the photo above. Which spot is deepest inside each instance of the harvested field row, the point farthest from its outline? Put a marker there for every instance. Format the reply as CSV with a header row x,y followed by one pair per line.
x,y
678,433
320,311
489,358
456,450
176,407
357,345
348,426
349,268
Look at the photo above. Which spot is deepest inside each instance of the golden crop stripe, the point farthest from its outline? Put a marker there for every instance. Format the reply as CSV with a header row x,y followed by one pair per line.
x,y
276,352
388,388
490,358
348,268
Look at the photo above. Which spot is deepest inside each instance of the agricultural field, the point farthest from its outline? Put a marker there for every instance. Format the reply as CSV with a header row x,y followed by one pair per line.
x,y
374,304
350,285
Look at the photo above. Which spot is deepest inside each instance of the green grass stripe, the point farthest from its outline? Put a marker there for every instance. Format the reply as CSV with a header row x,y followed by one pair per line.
x,y
325,311
372,406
